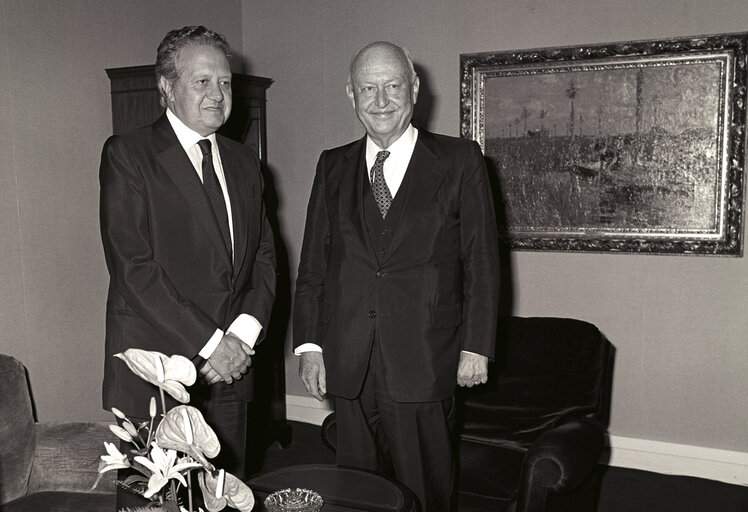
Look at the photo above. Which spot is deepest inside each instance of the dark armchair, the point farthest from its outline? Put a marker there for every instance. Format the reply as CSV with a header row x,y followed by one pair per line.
x,y
48,466
530,439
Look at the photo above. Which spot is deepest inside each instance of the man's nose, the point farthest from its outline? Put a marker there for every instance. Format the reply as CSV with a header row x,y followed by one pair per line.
x,y
215,92
381,98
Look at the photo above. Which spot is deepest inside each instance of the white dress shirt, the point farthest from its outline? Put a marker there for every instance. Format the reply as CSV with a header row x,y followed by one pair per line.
x,y
397,162
245,327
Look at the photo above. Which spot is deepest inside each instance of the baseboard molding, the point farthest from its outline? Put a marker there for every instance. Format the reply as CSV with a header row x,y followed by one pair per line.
x,y
660,457
678,459
307,409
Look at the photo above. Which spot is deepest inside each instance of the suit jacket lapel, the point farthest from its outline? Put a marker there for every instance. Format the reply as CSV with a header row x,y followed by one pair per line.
x,y
350,175
426,172
176,163
240,195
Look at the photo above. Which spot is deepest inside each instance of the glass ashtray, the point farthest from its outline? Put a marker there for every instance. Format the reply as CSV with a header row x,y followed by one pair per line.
x,y
293,500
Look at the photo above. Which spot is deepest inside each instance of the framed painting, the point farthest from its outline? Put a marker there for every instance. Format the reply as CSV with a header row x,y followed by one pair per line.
x,y
625,147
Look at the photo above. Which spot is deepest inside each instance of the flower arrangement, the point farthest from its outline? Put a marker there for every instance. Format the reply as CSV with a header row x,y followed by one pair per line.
x,y
164,457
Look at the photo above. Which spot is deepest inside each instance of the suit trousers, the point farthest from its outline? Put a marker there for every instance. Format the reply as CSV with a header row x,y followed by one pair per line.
x,y
409,441
226,414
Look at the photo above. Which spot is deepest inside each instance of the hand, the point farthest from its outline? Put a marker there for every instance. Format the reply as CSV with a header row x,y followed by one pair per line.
x,y
230,360
312,373
208,374
472,369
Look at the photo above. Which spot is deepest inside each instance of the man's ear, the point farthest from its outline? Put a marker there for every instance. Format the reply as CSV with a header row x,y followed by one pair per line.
x,y
416,85
351,96
165,85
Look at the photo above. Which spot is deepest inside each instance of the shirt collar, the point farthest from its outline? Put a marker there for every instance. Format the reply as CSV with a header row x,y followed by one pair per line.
x,y
403,145
186,135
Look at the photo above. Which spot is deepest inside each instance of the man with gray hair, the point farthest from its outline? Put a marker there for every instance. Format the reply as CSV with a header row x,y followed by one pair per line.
x,y
187,243
397,291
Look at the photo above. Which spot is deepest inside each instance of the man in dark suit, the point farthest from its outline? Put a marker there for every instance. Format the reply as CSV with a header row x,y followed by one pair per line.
x,y
187,243
397,291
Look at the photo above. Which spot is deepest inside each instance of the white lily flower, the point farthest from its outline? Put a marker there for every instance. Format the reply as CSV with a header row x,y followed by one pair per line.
x,y
115,459
163,469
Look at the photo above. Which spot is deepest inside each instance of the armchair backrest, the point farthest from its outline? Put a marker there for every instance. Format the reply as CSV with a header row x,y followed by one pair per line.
x,y
547,370
17,432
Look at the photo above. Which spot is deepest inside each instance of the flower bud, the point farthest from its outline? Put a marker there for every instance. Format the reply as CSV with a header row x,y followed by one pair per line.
x,y
121,433
130,429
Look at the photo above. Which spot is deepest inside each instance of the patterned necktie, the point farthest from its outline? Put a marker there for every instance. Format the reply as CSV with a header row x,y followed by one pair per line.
x,y
215,194
379,186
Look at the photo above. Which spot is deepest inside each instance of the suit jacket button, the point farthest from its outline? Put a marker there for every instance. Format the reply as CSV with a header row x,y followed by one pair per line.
x,y
372,314
383,251
380,273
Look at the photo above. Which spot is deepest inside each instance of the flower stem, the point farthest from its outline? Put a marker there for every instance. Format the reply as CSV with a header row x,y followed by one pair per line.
x,y
163,409
151,434
189,489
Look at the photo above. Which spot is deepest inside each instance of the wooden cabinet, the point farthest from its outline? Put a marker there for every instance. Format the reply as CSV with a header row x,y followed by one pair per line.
x,y
135,103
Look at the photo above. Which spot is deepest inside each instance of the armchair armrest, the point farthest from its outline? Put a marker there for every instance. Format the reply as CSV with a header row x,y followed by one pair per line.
x,y
67,457
558,461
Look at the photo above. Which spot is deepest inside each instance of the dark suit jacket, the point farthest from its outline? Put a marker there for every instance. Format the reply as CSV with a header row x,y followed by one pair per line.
x,y
171,280
434,294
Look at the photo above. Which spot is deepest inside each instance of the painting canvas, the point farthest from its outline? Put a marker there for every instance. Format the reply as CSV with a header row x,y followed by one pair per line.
x,y
632,147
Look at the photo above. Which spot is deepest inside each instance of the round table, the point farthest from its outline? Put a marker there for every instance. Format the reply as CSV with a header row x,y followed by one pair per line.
x,y
342,488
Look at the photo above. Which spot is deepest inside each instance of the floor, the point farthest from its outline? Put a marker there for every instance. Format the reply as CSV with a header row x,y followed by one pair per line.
x,y
622,490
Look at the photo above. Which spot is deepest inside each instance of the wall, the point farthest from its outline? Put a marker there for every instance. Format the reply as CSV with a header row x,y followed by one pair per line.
x,y
55,115
679,324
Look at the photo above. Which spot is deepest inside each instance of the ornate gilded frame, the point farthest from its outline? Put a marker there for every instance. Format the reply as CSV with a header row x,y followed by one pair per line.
x,y
634,147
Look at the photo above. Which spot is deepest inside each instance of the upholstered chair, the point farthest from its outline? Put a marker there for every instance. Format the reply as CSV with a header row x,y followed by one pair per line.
x,y
532,437
47,466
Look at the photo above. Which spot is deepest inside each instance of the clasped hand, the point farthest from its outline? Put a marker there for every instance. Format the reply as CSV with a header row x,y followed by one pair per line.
x,y
229,361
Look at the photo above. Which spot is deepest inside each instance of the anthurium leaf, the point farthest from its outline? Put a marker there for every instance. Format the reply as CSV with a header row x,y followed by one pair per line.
x,y
169,373
185,430
238,494
234,493
208,488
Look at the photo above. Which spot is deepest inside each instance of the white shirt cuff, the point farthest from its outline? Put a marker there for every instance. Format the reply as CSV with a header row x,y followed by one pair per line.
x,y
213,342
474,353
307,347
245,327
